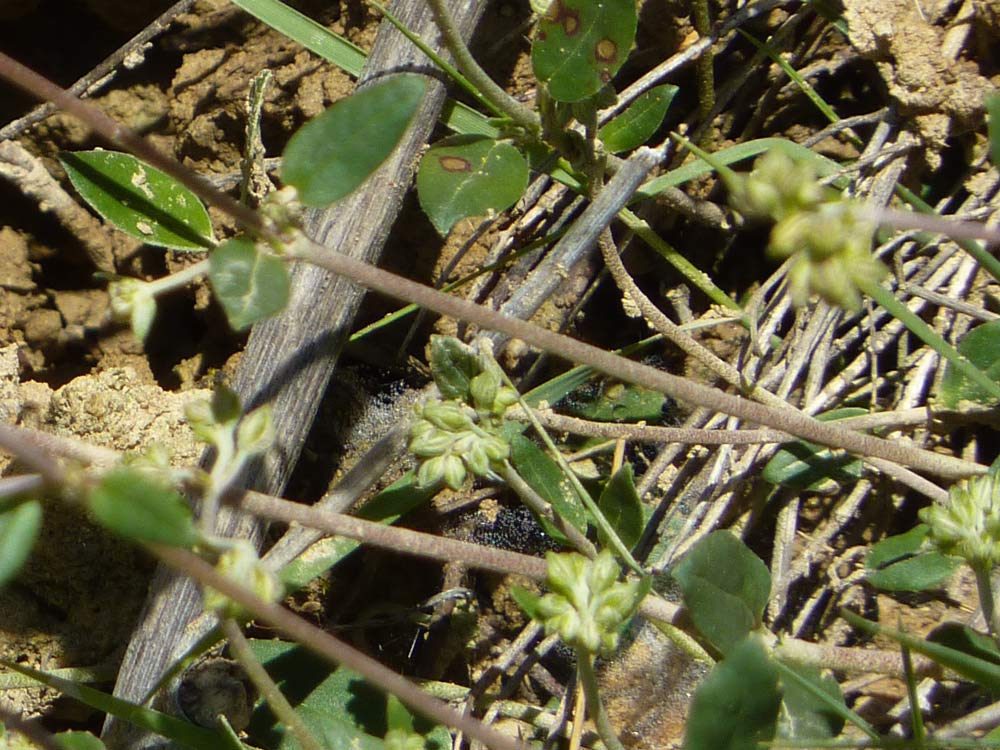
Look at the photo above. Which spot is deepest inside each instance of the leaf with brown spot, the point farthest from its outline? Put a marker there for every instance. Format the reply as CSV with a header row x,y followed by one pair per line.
x,y
469,176
581,44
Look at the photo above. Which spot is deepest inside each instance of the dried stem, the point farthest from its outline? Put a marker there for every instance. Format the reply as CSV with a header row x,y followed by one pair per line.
x,y
398,287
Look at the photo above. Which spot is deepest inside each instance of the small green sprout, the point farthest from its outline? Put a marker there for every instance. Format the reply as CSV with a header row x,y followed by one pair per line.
x,y
969,527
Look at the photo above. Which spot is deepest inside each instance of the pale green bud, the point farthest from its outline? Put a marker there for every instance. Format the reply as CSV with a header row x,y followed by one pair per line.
x,y
484,389
256,432
454,473
399,739
448,415
429,441
241,564
476,459
588,605
431,472
133,300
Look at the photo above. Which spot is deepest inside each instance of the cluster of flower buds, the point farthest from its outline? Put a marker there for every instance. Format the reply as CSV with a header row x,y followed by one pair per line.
x,y
828,236
968,526
587,604
460,435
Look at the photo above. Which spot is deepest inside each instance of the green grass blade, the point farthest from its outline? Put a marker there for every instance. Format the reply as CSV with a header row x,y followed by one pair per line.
x,y
171,727
929,336
307,32
799,81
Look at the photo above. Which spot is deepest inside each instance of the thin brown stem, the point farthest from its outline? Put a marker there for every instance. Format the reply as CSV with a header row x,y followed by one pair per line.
x,y
332,649
398,287
278,703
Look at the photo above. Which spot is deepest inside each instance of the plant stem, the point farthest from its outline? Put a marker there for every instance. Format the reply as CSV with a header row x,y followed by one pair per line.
x,y
503,101
177,279
595,707
542,508
704,71
987,601
596,514
240,648
332,649
446,66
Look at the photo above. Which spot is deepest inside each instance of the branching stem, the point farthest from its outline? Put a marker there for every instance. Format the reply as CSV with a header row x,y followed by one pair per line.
x,y
467,64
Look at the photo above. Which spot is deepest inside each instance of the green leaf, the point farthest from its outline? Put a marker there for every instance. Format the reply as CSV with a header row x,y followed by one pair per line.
x,y
180,731
581,44
965,639
980,671
897,563
453,366
812,705
636,125
467,176
78,741
334,153
18,530
140,200
814,468
251,285
993,117
737,705
338,706
895,548
398,718
618,402
312,35
725,588
981,346
547,479
918,573
137,507
528,602
620,504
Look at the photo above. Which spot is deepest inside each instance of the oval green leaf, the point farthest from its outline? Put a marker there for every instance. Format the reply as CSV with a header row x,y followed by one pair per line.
x,y
340,708
334,153
725,588
736,707
620,504
137,507
18,530
547,479
581,44
636,125
981,346
140,200
919,573
75,740
468,176
251,285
